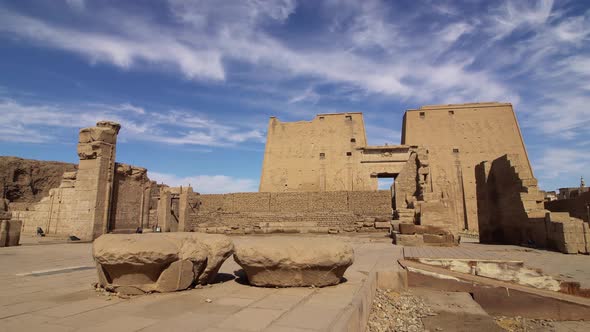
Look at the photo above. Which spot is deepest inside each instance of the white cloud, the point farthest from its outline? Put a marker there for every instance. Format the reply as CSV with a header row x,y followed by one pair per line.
x,y
557,162
169,127
77,4
378,135
17,133
121,50
307,96
208,34
207,184
514,14
453,32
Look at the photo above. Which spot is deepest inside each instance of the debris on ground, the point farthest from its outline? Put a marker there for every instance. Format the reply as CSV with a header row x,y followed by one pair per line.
x,y
521,324
393,311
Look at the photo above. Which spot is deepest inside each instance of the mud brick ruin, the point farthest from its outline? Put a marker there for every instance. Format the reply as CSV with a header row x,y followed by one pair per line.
x,y
460,169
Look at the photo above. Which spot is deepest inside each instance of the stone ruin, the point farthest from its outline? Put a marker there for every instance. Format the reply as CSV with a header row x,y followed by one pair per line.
x,y
143,263
10,229
135,264
294,261
445,186
512,211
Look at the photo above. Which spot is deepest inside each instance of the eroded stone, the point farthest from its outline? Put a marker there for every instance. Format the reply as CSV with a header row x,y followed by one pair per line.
x,y
159,262
294,261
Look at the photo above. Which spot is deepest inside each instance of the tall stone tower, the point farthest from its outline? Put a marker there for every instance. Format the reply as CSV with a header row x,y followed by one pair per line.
x,y
94,183
459,137
317,155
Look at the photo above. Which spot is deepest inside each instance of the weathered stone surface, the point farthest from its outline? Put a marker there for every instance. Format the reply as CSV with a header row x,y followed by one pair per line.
x,y
10,232
27,180
439,240
159,262
294,261
382,224
409,240
406,228
3,232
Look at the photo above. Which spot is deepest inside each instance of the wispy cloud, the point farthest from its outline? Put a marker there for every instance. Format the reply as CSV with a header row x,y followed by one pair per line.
x,y
206,35
379,135
207,184
164,126
535,54
556,162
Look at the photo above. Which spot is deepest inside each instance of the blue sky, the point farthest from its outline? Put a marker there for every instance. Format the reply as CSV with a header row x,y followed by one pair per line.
x,y
194,82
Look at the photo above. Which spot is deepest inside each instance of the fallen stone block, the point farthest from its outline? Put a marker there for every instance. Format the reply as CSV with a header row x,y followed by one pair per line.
x,y
159,262
294,261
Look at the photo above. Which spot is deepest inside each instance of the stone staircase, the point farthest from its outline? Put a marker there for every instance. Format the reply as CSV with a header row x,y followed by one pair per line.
x,y
556,230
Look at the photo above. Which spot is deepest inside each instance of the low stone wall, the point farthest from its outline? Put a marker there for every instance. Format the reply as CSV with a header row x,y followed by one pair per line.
x,y
320,212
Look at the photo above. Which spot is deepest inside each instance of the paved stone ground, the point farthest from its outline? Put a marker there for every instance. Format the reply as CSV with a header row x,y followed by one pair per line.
x,y
48,287
560,266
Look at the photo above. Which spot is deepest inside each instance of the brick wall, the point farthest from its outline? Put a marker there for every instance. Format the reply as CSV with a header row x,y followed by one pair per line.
x,y
288,212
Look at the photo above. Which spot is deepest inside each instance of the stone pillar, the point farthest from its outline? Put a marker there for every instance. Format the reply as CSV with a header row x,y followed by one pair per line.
x,y
165,210
5,217
184,209
94,185
13,234
3,233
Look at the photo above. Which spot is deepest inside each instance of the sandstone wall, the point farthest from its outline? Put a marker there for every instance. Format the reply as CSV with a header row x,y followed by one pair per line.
x,y
512,212
27,181
297,212
576,207
459,137
131,199
101,196
317,155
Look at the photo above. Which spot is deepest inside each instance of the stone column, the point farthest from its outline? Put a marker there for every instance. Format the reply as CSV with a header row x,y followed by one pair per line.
x,y
184,209
165,210
3,233
94,185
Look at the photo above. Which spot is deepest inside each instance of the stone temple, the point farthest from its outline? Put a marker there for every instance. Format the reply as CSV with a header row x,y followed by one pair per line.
x,y
461,170
320,247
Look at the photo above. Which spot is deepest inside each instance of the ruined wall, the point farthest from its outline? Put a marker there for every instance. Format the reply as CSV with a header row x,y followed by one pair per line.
x,y
131,199
577,207
99,197
297,212
512,212
94,182
54,212
27,181
317,155
459,137
406,183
